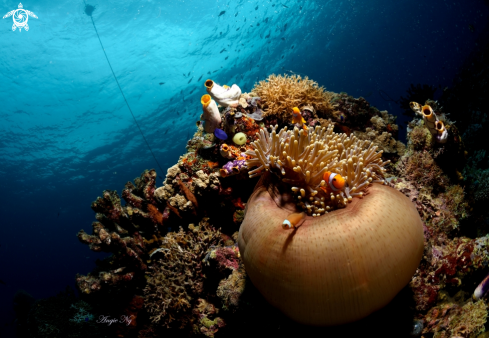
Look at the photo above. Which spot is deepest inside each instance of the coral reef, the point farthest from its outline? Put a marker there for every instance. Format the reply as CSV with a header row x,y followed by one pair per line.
x,y
279,94
119,230
172,277
456,317
176,279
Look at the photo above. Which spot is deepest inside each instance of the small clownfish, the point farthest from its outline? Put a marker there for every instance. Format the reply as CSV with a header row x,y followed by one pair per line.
x,y
297,117
334,182
293,220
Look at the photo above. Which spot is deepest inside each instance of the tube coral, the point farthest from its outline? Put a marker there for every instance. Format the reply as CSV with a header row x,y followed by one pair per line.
x,y
211,116
304,158
225,96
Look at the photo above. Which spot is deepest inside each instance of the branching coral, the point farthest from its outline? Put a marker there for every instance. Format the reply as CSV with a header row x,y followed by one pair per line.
x,y
117,230
279,94
301,158
176,281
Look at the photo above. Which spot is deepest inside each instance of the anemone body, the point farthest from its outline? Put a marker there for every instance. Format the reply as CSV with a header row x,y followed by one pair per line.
x,y
336,268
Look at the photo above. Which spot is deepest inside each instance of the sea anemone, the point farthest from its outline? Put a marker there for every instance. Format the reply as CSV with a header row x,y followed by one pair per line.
x,y
279,94
303,158
337,267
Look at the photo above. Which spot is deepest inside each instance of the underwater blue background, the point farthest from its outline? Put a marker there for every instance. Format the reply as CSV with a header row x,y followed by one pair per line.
x,y
67,134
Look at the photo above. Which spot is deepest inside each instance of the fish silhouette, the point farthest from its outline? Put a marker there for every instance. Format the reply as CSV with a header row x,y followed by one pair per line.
x,y
222,13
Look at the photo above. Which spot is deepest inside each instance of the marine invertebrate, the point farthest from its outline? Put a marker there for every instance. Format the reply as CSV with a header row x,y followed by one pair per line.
x,y
239,139
280,94
234,167
335,268
211,116
225,96
303,158
456,317
434,125
120,230
176,280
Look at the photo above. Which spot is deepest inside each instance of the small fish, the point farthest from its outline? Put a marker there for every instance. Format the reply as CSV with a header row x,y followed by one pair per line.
x,y
284,6
209,72
200,77
256,8
235,15
193,90
266,20
184,75
237,29
222,13
297,116
293,220
220,134
285,27
223,50
162,83
226,57
189,73
220,33
283,56
215,70
332,182
190,80
292,47
258,24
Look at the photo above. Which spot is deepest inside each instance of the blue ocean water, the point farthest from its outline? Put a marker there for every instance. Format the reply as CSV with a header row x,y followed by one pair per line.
x,y
67,133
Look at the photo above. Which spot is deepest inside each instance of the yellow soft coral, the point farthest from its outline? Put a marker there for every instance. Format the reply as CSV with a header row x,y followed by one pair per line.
x,y
280,94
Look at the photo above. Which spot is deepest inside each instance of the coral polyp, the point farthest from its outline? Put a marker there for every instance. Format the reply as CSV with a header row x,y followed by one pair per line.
x,y
305,159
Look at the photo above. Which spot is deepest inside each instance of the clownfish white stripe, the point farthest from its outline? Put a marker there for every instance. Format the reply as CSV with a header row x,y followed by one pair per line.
x,y
286,224
293,220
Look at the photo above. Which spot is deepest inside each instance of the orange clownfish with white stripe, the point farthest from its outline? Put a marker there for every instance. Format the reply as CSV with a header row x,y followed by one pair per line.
x,y
294,220
297,117
334,182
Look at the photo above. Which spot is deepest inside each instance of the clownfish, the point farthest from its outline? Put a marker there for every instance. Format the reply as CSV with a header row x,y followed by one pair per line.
x,y
297,117
293,220
334,182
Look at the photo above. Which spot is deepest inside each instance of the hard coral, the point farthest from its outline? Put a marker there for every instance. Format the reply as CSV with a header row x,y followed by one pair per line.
x,y
118,231
176,280
279,94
